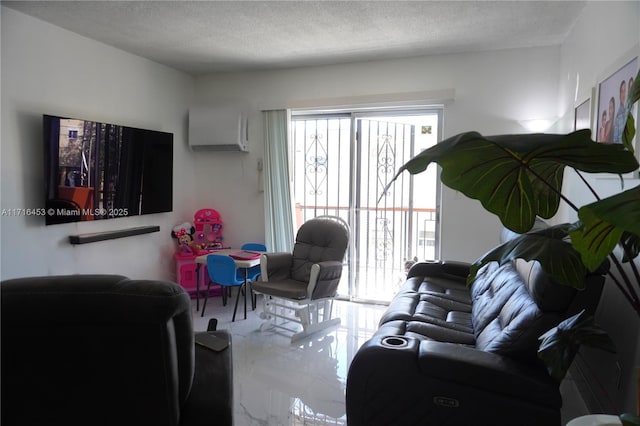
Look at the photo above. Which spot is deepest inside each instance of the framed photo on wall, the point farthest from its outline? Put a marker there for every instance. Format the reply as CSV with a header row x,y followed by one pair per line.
x,y
582,116
611,112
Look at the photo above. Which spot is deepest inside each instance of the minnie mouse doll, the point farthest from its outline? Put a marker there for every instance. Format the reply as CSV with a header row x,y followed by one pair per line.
x,y
184,234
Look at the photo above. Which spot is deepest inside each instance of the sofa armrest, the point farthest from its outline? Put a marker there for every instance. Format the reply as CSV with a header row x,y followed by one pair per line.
x,y
324,278
275,266
448,268
399,379
456,268
329,270
211,398
485,370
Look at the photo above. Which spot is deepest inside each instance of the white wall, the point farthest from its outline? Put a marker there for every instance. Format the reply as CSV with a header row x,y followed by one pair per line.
x,y
602,37
49,70
493,91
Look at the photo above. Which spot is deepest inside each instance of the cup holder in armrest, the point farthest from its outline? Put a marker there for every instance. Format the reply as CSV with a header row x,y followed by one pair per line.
x,y
395,342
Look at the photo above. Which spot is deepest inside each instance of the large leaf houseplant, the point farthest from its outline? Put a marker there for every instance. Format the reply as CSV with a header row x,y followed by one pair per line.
x,y
518,177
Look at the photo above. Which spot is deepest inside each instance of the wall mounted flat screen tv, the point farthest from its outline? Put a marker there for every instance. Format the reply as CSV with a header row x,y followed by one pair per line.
x,y
96,171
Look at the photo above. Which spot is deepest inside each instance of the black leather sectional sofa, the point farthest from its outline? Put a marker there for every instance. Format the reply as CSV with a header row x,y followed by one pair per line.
x,y
448,354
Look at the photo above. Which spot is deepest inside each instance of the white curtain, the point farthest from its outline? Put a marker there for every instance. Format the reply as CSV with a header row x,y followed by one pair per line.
x,y
278,208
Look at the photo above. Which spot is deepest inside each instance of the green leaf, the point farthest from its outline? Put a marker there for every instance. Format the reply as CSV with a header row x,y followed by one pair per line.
x,y
604,223
634,94
632,243
630,128
560,344
557,256
629,419
622,210
595,240
518,177
629,132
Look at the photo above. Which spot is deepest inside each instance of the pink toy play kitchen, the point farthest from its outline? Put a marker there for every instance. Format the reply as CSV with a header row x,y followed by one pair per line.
x,y
208,226
205,237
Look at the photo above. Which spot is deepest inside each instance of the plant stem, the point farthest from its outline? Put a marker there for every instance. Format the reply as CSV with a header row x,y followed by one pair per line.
x,y
560,194
593,191
628,292
634,268
632,294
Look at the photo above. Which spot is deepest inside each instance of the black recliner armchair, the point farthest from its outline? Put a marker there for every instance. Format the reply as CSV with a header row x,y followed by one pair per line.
x,y
106,350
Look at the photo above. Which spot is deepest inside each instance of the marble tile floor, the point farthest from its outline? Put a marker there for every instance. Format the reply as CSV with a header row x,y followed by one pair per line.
x,y
279,383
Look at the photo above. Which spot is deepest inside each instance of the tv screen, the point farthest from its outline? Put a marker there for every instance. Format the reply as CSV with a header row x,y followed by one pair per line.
x,y
98,171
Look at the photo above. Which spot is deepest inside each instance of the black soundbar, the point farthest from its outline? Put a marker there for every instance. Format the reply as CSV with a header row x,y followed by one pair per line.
x,y
111,235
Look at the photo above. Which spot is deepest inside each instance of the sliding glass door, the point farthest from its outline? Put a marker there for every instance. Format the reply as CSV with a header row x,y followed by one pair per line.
x,y
342,164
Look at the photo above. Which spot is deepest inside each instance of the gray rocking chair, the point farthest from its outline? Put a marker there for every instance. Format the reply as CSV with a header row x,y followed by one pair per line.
x,y
300,287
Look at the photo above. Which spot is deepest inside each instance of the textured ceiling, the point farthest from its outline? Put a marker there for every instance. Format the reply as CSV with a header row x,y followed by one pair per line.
x,y
209,36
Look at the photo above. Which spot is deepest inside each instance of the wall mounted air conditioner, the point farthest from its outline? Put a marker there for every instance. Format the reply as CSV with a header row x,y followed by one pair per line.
x,y
221,128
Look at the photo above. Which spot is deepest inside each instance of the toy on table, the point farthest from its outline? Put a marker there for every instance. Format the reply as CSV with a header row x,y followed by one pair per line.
x,y
184,234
